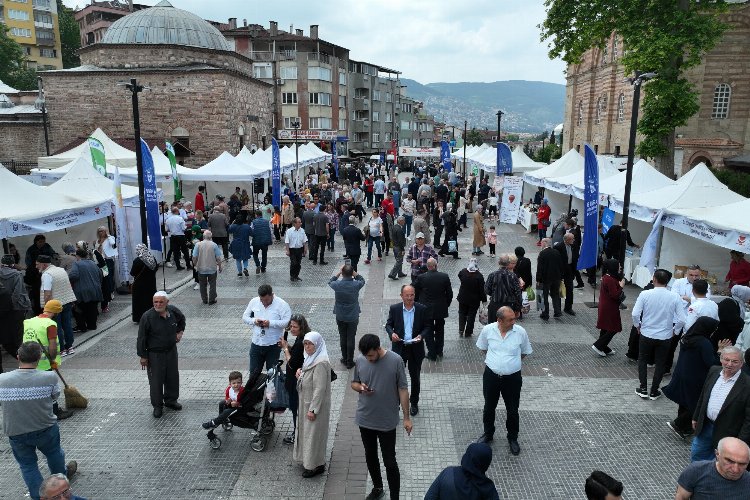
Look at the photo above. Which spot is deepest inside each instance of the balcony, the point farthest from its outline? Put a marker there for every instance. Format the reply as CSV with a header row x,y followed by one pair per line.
x,y
286,55
43,5
361,103
318,56
45,42
41,25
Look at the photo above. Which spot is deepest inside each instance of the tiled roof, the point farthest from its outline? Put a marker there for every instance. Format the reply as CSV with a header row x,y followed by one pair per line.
x,y
697,142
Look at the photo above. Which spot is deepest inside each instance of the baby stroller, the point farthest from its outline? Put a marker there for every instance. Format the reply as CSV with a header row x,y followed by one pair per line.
x,y
254,413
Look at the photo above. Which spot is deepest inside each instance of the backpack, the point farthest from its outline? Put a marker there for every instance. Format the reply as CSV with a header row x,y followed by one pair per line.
x,y
6,298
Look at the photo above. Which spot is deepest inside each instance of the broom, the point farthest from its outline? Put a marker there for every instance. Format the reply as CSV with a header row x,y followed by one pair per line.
x,y
73,398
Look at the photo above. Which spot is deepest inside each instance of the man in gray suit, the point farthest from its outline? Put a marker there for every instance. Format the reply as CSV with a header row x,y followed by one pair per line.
x,y
399,243
346,284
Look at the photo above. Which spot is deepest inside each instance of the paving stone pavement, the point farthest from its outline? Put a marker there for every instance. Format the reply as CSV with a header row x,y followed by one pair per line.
x,y
578,411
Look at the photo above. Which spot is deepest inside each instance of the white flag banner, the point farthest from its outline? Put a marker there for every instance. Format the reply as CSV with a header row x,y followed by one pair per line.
x,y
648,253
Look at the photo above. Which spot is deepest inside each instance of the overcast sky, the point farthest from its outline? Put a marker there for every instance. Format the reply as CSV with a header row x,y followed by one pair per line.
x,y
428,41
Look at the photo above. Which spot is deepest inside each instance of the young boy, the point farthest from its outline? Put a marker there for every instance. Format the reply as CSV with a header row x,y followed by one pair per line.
x,y
230,403
491,238
492,205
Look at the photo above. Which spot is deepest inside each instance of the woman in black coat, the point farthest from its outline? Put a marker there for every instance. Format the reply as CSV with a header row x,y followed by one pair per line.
x,y
523,267
143,271
697,356
470,294
450,221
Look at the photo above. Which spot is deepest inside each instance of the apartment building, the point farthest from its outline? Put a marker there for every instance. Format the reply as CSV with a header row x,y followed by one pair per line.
x,y
95,18
375,110
34,25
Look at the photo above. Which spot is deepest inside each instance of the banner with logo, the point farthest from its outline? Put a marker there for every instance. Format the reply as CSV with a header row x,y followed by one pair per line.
x,y
98,158
53,222
589,246
175,177
152,199
726,238
445,156
512,197
504,159
608,218
121,223
335,158
275,174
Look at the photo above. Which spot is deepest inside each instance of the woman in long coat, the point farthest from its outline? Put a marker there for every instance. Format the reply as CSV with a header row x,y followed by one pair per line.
x,y
240,247
143,271
608,320
451,231
470,294
314,388
479,240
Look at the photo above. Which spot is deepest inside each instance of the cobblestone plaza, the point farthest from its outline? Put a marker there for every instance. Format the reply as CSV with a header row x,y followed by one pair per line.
x,y
578,411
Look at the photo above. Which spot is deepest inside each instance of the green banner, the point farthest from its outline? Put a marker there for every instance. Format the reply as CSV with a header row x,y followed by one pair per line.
x,y
97,156
175,176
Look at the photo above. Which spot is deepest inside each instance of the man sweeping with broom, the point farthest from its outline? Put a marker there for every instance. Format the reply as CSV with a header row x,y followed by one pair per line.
x,y
27,395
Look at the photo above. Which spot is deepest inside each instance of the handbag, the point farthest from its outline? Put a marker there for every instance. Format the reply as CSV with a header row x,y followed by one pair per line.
x,y
105,270
280,396
483,313
452,246
530,293
333,375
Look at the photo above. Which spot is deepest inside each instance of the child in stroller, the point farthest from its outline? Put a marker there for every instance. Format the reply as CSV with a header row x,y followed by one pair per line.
x,y
230,403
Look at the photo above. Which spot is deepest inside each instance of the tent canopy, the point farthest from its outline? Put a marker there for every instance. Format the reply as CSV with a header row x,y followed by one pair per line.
x,y
574,183
162,168
84,183
114,153
570,163
223,168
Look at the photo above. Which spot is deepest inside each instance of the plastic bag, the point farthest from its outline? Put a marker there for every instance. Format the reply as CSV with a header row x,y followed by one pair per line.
x,y
530,295
452,246
483,313
270,392
539,299
281,395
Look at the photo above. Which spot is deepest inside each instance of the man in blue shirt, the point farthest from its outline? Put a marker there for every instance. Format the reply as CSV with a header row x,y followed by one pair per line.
x,y
504,344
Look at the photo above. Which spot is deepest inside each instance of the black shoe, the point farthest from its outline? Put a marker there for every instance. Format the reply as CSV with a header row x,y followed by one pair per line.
x,y
314,472
393,277
239,275
515,448
677,432
315,263
323,263
210,304
79,330
244,271
642,392
350,365
432,357
545,317
180,268
486,438
257,270
173,405
63,414
158,411
655,394
414,409
375,494
557,315
71,468
401,275
570,311
208,425
263,269
288,439
342,361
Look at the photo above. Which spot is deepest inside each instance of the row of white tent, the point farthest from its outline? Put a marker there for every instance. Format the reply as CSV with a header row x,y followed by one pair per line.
x,y
485,158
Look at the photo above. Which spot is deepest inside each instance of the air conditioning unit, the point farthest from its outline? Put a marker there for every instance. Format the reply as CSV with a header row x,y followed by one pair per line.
x,y
279,81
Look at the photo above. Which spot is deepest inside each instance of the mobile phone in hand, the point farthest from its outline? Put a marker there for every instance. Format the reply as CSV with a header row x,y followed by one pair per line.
x,y
347,262
286,335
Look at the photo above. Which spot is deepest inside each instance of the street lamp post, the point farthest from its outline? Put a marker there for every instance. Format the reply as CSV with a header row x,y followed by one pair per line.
x,y
465,132
499,117
296,126
134,88
636,82
41,104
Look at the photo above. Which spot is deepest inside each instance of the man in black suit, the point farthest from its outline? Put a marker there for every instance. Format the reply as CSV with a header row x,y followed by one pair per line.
x,y
308,224
408,325
723,407
352,235
433,289
575,230
565,249
549,272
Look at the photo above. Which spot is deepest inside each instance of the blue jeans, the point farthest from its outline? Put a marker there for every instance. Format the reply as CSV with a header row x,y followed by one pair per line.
x,y
370,241
331,234
65,337
702,447
408,218
241,264
259,354
24,448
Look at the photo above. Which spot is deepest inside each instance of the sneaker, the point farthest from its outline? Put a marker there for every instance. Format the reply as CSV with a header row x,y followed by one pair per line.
x,y
64,353
71,468
71,351
208,425
676,431
244,271
169,264
655,394
105,309
239,275
197,286
288,439
367,261
598,351
375,494
642,392
611,352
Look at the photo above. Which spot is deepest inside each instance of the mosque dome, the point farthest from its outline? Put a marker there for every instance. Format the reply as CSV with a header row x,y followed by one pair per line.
x,y
164,24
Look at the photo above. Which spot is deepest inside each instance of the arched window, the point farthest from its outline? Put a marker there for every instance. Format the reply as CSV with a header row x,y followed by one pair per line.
x,y
605,52
614,49
722,94
580,113
601,105
621,108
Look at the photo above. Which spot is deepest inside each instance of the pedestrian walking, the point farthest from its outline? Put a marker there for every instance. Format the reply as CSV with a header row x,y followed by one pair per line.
x,y
503,288
322,227
724,477
608,313
294,356
268,315
14,306
56,285
549,273
421,224
86,279
175,226
143,289
346,285
434,290
479,240
240,248
566,250
374,232
470,294
398,238
207,261
159,331
106,245
468,481
295,243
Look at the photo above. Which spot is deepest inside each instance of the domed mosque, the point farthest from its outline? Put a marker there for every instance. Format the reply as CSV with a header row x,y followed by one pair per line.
x,y
200,94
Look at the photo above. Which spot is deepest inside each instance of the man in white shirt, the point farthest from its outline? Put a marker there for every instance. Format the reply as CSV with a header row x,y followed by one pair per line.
x,y
409,206
295,241
662,316
504,344
684,288
268,315
700,305
378,190
175,226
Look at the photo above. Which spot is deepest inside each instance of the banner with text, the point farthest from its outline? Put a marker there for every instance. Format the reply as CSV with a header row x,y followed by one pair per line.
x,y
419,152
504,159
512,197
445,156
608,218
98,159
726,238
335,157
307,135
175,177
121,223
589,246
275,174
53,222
153,223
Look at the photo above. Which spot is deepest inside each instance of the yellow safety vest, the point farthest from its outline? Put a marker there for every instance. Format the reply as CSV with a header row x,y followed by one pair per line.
x,y
35,329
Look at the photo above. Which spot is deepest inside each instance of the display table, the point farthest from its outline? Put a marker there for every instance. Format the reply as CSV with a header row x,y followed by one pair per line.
x,y
631,262
641,276
527,218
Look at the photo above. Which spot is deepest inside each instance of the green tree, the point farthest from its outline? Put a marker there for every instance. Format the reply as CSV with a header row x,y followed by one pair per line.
x,y
70,36
474,138
664,36
548,153
13,68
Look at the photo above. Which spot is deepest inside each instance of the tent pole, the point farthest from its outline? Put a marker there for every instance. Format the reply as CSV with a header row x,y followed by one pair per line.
x,y
164,262
5,246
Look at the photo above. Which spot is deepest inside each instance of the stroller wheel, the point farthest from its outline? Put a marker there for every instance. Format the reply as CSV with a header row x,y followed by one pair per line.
x,y
267,427
258,444
227,426
215,443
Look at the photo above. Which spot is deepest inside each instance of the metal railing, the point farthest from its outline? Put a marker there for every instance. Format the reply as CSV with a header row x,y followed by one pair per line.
x,y
19,167
319,56
264,56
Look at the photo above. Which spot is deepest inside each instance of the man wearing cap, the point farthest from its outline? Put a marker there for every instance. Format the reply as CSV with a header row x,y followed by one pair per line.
x,y
14,304
418,255
399,242
56,285
159,331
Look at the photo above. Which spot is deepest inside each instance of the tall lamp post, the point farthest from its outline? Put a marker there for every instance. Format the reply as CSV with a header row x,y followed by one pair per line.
x,y
465,133
499,117
40,104
296,126
636,82
134,88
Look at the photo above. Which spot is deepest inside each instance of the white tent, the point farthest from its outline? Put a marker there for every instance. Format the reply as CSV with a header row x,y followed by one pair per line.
x,y
573,184
45,176
522,162
26,208
84,183
645,179
571,162
114,153
162,169
223,168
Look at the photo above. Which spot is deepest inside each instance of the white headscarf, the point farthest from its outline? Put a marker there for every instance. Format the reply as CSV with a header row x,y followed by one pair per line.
x,y
320,354
473,265
741,295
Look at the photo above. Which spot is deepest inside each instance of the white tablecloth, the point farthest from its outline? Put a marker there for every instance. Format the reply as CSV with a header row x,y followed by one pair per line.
x,y
631,262
526,218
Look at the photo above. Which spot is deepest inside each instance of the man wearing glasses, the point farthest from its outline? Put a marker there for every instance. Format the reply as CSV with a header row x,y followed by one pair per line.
x,y
57,487
268,315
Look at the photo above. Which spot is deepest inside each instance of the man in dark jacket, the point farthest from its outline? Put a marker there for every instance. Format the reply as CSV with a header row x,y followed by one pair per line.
x,y
321,227
346,308
398,239
308,224
549,273
575,230
433,289
565,249
262,238
352,236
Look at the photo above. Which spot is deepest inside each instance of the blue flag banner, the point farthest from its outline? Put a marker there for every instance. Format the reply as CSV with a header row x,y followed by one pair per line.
x,y
504,160
335,158
591,210
152,199
275,174
608,218
445,156
382,158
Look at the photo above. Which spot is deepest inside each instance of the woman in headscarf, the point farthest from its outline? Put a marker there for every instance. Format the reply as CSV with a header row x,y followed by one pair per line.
x,y
732,315
314,388
68,258
608,319
470,294
697,356
467,482
451,229
143,271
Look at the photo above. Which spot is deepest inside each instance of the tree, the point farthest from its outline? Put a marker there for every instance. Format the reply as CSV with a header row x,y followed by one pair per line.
x,y
474,138
13,67
664,36
70,36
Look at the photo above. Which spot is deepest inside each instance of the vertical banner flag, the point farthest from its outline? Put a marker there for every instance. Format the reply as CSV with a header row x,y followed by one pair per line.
x,y
608,218
275,174
648,253
335,158
445,156
504,160
590,242
97,156
382,158
175,177
512,196
121,223
152,200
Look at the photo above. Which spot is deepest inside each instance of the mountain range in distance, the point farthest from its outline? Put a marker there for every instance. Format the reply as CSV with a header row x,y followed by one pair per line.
x,y
527,106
